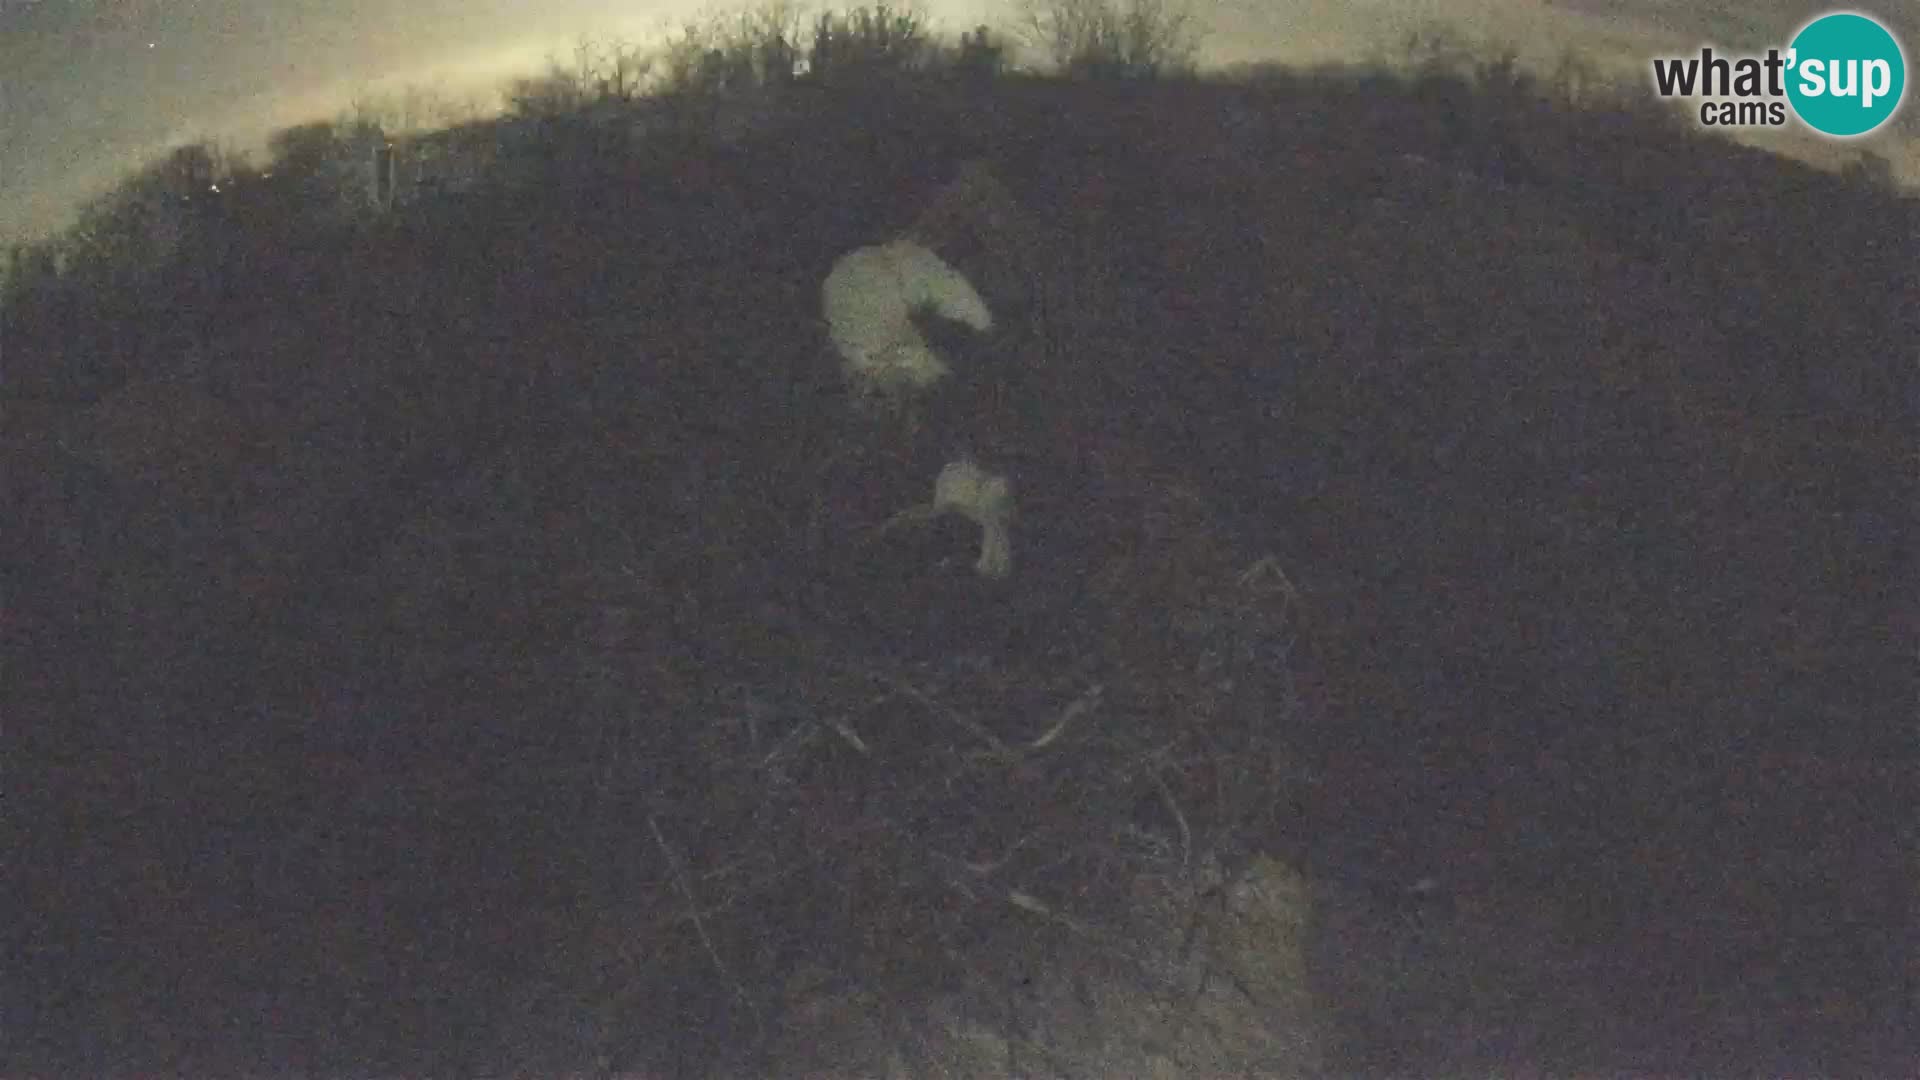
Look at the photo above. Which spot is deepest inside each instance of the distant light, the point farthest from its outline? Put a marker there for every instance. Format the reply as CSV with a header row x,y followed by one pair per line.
x,y
149,44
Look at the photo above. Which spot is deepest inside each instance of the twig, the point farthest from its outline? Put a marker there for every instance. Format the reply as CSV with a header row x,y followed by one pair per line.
x,y
700,925
1080,707
839,724
1264,569
1180,819
973,727
1028,902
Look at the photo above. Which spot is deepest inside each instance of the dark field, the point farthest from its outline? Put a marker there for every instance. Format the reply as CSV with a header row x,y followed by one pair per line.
x,y
1588,446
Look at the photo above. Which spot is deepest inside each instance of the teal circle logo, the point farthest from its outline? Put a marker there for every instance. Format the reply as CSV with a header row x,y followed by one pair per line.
x,y
1846,74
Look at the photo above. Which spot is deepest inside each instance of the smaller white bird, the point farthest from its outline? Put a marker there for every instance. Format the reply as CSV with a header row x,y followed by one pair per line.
x,y
982,497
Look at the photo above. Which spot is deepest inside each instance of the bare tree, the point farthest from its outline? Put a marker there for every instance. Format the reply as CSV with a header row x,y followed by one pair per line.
x,y
302,147
552,93
1111,38
30,267
614,71
150,216
1437,48
981,55
1873,170
754,47
617,70
872,39
413,109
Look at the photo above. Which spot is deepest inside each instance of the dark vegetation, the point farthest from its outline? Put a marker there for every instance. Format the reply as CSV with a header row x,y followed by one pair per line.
x,y
373,707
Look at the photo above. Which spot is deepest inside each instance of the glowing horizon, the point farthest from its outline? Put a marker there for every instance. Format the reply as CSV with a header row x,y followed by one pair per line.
x,y
65,137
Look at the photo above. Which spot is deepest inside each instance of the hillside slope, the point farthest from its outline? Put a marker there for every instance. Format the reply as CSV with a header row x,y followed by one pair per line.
x,y
1584,450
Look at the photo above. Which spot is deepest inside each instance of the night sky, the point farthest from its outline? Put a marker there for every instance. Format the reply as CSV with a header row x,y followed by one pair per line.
x,y
91,88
